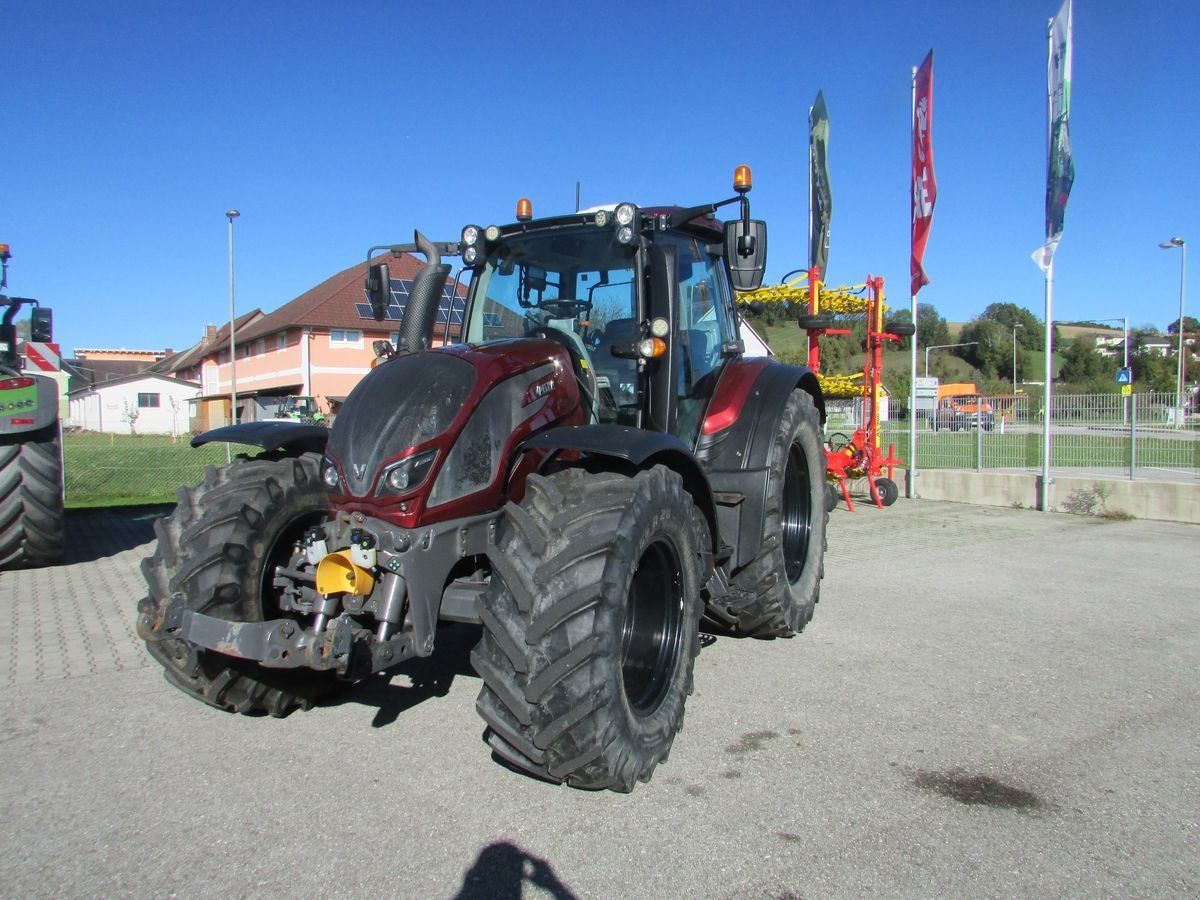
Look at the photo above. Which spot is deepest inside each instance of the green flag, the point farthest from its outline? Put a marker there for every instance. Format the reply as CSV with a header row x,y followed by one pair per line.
x,y
1060,168
820,207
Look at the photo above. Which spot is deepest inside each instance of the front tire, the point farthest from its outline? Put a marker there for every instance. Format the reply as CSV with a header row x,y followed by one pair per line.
x,y
219,548
591,626
32,526
786,576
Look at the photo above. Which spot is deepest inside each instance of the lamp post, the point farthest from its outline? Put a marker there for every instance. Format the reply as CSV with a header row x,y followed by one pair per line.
x,y
1015,327
943,347
231,215
1182,245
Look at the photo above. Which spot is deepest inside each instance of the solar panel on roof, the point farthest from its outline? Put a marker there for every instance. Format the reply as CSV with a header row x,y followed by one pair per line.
x,y
451,306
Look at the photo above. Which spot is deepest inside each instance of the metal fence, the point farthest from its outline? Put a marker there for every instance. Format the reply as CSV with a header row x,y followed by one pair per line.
x,y
1140,436
1096,434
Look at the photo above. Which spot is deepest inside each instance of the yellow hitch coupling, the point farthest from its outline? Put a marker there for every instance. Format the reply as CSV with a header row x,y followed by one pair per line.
x,y
338,574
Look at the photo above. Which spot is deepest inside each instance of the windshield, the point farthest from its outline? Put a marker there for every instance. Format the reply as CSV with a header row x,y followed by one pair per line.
x,y
577,280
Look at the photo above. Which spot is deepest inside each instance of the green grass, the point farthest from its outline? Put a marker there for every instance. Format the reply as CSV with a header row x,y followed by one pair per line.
x,y
121,470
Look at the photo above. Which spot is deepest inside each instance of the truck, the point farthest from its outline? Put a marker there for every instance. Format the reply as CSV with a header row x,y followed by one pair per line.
x,y
961,407
32,524
596,472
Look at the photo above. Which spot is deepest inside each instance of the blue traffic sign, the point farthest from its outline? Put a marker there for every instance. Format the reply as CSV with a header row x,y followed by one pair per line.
x,y
1124,376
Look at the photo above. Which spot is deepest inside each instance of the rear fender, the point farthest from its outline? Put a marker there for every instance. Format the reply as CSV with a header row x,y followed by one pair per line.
x,y
292,438
624,449
737,456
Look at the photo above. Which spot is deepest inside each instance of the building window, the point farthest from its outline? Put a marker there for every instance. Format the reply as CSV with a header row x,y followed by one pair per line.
x,y
261,347
345,337
281,341
148,401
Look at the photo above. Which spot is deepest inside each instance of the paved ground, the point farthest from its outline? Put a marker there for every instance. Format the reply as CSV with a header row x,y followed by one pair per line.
x,y
990,702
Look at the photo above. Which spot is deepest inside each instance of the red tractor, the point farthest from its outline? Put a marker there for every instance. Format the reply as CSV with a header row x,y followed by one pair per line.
x,y
591,474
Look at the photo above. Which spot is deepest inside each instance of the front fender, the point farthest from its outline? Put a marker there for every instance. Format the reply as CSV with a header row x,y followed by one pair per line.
x,y
290,437
636,449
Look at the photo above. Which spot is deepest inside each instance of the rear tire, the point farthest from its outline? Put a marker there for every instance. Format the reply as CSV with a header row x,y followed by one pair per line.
x,y
591,626
786,576
31,499
219,548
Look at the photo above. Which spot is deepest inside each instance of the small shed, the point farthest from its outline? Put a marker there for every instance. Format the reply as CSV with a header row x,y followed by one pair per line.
x,y
145,403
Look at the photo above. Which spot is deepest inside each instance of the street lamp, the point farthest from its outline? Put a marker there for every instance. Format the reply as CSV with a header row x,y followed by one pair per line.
x,y
943,347
231,215
1182,245
1015,327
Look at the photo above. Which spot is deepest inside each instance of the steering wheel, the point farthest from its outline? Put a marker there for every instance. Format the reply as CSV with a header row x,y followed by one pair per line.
x,y
565,309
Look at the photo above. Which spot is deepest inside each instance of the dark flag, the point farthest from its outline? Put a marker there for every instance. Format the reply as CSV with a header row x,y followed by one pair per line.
x,y
1060,174
820,206
924,185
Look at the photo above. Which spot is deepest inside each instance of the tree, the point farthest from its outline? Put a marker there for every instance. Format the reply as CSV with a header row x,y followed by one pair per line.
x,y
1085,368
992,351
1191,325
932,329
1151,371
1031,334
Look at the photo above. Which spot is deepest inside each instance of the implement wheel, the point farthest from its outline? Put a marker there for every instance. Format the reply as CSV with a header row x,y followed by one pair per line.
x,y
888,490
591,626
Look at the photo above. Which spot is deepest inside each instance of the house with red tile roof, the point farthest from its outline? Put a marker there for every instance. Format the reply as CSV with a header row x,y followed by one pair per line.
x,y
317,345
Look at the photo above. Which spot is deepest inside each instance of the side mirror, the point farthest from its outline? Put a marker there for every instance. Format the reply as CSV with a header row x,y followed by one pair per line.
x,y
746,253
41,325
379,290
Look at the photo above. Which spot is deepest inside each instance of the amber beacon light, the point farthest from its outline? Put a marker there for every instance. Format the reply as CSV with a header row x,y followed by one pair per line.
x,y
524,210
742,181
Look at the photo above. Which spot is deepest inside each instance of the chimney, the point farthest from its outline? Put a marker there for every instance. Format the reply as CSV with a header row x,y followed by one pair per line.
x,y
210,333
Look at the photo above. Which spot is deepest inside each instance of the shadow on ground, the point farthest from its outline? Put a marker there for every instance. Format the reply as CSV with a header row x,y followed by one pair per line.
x,y
94,534
501,871
426,677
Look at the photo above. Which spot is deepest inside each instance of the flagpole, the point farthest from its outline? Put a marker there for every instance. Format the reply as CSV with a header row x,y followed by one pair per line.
x,y
1048,342
810,192
911,487
1048,394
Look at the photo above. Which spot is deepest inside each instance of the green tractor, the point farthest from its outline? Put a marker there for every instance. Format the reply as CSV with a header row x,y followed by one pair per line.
x,y
302,409
31,469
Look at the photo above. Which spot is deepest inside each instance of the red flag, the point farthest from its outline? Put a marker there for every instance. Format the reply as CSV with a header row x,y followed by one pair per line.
x,y
924,185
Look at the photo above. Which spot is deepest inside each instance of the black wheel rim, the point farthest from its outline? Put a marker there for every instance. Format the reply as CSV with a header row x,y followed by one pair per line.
x,y
283,552
651,632
796,513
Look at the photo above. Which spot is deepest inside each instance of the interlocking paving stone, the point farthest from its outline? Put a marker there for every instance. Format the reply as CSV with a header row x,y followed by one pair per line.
x,y
78,618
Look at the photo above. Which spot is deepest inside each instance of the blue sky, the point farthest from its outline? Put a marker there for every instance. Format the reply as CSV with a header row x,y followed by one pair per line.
x,y
129,129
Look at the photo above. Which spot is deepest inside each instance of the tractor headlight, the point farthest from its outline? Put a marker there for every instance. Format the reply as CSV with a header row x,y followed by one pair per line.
x,y
625,213
329,474
469,245
408,474
492,233
602,217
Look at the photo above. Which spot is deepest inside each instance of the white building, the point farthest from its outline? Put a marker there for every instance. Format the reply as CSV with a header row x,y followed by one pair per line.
x,y
136,404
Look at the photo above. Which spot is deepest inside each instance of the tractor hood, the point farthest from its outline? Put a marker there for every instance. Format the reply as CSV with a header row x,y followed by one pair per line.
x,y
407,402
430,435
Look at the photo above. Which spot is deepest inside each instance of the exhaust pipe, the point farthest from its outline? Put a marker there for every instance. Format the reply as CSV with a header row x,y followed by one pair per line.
x,y
420,313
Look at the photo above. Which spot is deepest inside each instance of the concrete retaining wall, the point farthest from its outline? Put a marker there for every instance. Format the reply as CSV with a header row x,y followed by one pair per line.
x,y
1166,500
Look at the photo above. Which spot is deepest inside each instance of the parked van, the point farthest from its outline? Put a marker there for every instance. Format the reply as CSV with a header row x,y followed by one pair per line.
x,y
961,407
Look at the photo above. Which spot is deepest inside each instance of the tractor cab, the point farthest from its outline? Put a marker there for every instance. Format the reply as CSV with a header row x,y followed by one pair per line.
x,y
639,299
